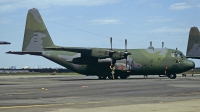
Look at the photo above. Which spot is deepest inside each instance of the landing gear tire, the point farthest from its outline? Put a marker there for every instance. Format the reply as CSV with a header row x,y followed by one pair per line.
x,y
102,77
110,77
123,76
172,76
116,77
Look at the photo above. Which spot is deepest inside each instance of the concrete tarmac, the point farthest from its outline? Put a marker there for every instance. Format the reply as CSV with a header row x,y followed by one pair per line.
x,y
59,93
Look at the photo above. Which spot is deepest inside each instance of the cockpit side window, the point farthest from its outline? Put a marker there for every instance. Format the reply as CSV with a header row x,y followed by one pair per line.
x,y
174,54
182,55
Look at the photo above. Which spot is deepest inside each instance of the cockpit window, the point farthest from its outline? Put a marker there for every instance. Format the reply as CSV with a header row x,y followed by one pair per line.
x,y
176,54
182,55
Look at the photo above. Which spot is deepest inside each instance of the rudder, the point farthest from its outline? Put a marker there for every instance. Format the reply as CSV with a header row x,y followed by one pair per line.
x,y
36,35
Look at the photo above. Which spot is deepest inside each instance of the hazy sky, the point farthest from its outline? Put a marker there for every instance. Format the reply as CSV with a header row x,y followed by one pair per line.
x,y
90,23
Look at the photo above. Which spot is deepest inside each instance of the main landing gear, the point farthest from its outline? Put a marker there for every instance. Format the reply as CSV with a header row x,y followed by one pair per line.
x,y
171,76
123,76
102,77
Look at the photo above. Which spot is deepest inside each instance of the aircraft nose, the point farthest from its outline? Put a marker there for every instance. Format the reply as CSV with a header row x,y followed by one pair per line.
x,y
189,64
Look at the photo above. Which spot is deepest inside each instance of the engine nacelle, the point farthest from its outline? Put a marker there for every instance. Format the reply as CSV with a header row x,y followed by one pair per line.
x,y
103,53
117,55
100,53
107,60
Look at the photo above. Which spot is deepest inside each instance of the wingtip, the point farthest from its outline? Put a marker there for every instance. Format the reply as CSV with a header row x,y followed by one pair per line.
x,y
9,52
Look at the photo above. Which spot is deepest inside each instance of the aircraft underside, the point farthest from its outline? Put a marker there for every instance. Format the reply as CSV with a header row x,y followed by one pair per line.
x,y
104,70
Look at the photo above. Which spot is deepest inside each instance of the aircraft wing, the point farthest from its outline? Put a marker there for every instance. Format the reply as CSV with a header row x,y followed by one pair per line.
x,y
24,52
71,49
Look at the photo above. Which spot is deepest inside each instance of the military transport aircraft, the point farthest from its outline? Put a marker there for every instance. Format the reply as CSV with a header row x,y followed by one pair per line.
x,y
101,61
2,42
193,48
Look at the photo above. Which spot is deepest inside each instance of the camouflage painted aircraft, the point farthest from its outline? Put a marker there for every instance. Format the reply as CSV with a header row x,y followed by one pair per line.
x,y
193,48
101,61
2,42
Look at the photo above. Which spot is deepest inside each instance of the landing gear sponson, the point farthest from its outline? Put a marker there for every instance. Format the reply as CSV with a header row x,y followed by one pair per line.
x,y
111,77
171,76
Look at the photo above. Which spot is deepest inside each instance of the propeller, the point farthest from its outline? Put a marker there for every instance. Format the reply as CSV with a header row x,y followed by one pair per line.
x,y
126,53
122,54
125,45
111,51
111,43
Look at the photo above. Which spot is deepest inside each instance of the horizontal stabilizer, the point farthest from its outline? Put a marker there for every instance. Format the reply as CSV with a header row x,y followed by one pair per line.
x,y
24,52
71,49
2,42
193,57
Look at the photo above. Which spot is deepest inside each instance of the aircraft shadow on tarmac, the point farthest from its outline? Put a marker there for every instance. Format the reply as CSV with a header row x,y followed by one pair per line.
x,y
3,84
132,78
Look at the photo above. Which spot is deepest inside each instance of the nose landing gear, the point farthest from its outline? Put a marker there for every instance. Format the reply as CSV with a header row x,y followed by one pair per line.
x,y
171,76
123,76
102,77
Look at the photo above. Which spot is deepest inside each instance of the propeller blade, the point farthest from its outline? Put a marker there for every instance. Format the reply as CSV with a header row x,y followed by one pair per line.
x,y
126,51
125,45
126,61
111,42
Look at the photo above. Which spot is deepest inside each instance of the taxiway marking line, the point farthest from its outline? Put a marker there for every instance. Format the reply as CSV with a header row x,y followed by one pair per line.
x,y
29,106
26,93
19,93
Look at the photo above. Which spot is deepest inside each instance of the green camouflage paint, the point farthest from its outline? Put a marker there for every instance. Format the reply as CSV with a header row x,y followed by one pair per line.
x,y
97,61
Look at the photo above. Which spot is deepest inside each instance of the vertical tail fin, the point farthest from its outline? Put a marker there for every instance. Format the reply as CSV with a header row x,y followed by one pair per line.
x,y
36,36
193,48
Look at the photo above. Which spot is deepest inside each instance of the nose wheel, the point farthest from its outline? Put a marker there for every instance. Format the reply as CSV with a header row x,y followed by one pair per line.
x,y
171,76
123,76
102,77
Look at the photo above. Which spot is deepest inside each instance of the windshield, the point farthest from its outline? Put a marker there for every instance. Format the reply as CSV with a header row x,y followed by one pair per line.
x,y
177,54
